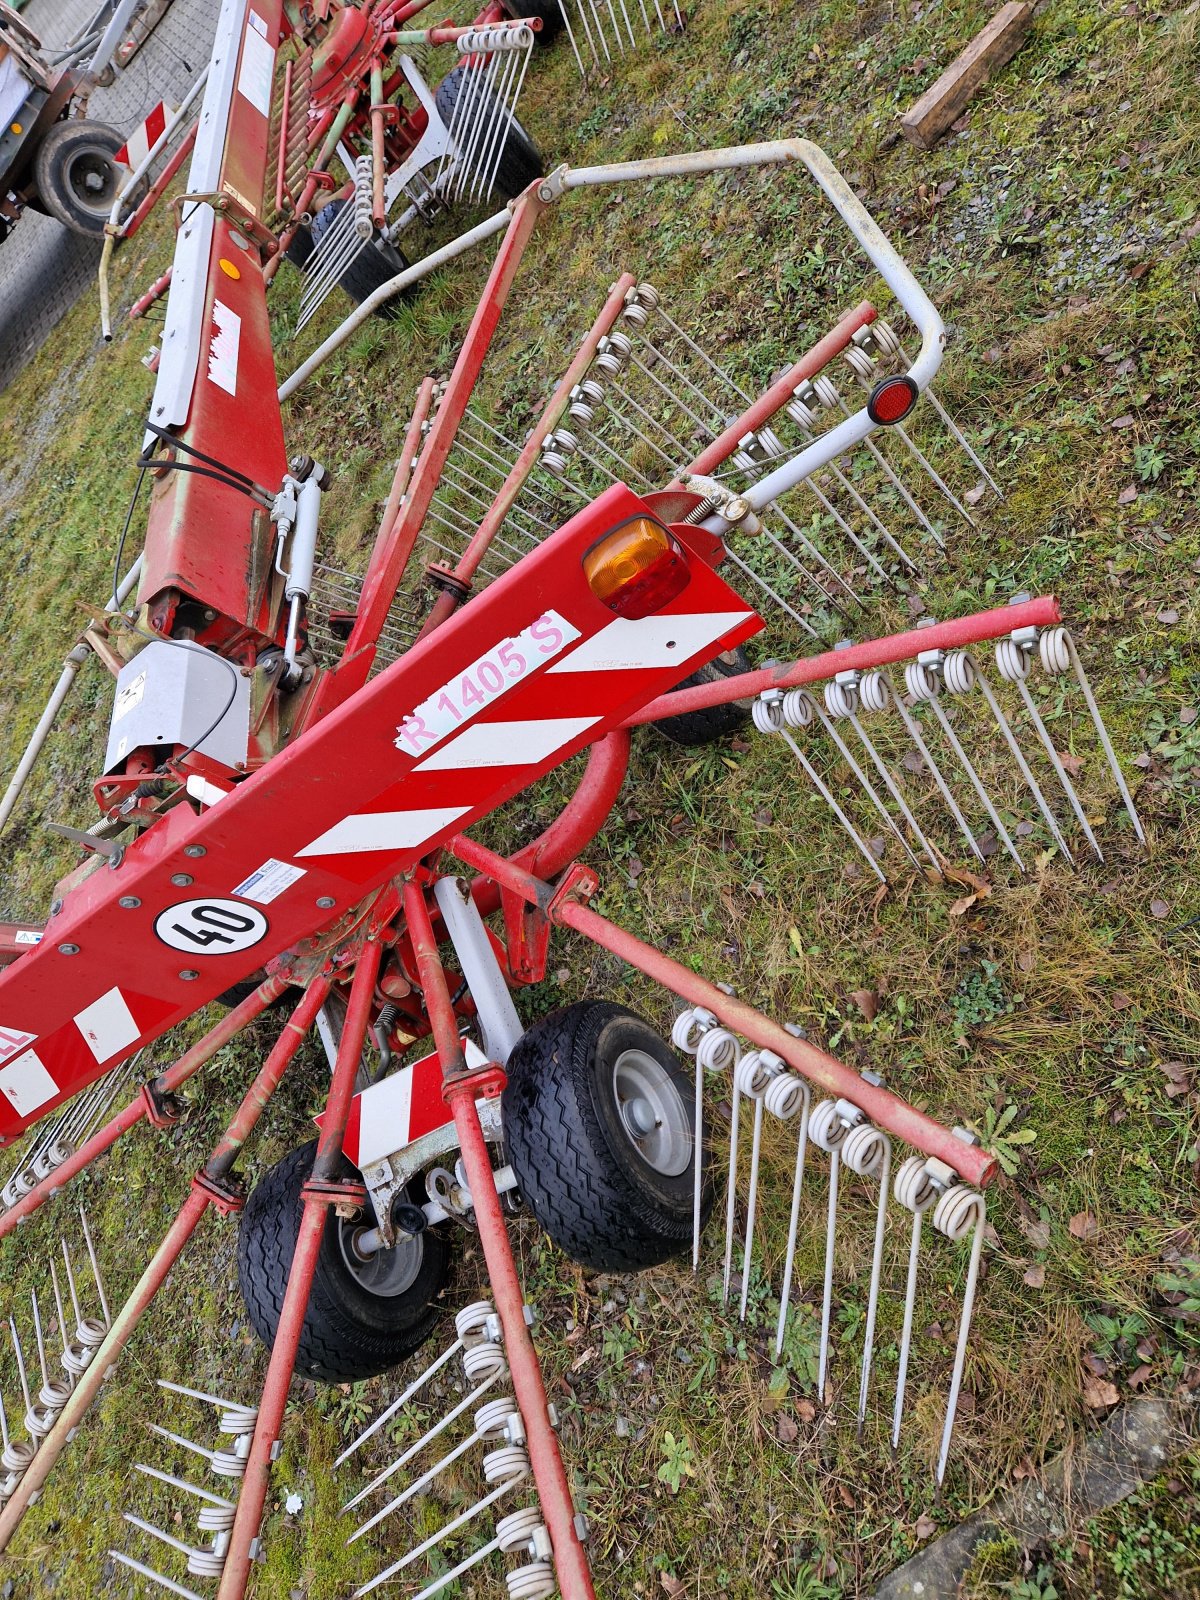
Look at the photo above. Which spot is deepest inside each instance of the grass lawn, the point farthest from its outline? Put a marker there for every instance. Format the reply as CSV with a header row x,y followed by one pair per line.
x,y
1058,233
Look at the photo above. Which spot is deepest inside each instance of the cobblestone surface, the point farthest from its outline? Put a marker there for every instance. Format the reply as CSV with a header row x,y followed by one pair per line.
x,y
44,268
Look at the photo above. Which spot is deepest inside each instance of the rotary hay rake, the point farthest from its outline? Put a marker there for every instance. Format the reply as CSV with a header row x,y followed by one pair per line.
x,y
583,636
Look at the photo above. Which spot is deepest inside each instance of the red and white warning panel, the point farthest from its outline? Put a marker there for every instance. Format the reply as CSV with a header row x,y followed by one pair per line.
x,y
386,1117
144,137
528,673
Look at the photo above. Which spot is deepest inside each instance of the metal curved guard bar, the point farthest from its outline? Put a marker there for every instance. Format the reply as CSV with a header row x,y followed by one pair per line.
x,y
878,249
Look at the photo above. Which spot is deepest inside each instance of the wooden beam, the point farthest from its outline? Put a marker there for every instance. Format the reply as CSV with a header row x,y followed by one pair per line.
x,y
943,102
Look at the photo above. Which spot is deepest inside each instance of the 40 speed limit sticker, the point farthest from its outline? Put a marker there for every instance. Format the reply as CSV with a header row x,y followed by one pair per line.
x,y
210,927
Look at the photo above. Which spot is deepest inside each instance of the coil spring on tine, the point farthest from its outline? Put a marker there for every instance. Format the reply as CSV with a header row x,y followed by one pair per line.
x,y
511,1461
958,672
718,1051
863,1150
885,338
957,1212
1012,661
483,1361
921,681
860,363
785,1095
239,1420
913,1187
1054,651
534,1581
841,699
767,714
208,1563
17,1455
827,392
798,708
516,1531
802,415
754,1072
873,691
688,1028
825,1127
492,1418
215,1519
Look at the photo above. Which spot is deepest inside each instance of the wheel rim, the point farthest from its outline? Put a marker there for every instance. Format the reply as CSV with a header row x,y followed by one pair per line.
x,y
653,1114
91,177
384,1273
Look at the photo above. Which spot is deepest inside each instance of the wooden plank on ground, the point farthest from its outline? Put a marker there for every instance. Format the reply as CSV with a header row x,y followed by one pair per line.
x,y
943,102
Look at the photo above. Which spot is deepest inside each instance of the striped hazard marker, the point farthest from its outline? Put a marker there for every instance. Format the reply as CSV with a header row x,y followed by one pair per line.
x,y
143,138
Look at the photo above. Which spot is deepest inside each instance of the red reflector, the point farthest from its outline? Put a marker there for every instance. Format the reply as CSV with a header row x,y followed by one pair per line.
x,y
892,399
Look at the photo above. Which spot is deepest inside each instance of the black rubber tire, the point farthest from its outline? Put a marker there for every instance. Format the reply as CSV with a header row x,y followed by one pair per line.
x,y
71,154
711,723
348,1334
577,1168
371,268
548,10
520,161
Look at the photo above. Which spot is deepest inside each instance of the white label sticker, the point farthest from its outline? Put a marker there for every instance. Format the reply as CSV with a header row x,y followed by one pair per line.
x,y
257,23
256,75
107,1025
210,927
14,1039
223,351
26,1084
128,697
26,936
269,882
485,680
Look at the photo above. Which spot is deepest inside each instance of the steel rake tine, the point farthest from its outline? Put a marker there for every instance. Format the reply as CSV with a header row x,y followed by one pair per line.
x,y
751,1206
762,584
426,1438
620,48
415,1486
485,103
38,1337
958,1211
873,517
825,564
571,36
1012,662
924,462
731,1189
200,1394
886,335
155,1577
20,1355
885,1169
768,715
188,1488
157,1533
915,1190
496,135
789,1262
413,1388
177,1438
895,791
848,758
913,729
75,1307
91,1250
827,1289
794,561
628,26
1018,755
1051,644
452,1526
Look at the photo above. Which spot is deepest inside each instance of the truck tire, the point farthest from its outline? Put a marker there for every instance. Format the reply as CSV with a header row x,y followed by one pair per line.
x,y
599,1126
711,723
520,161
362,1317
77,178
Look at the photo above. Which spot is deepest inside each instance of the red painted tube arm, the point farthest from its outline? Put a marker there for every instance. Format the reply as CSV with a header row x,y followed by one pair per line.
x,y
958,634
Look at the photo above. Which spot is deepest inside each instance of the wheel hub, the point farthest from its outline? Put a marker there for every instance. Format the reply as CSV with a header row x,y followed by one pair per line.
x,y
653,1113
385,1273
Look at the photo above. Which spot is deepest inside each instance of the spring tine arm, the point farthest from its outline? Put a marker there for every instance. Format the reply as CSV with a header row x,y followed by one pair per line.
x,y
826,794
793,1224
1102,732
426,1438
1068,787
91,1250
155,1577
964,1329
416,1485
385,1416
730,1194
751,1205
1018,755
885,815
876,1277
913,728
827,1290
896,792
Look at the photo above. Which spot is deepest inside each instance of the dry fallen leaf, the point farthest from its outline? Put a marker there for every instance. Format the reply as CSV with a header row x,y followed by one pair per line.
x,y
1035,1277
1127,495
1073,764
786,1430
1083,1225
926,1526
961,907
671,1585
867,1002
1178,1076
1035,1230
805,1410
1159,909
1099,1393
1138,1376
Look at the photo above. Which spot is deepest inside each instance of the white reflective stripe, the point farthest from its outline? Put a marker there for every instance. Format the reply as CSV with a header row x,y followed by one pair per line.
x,y
107,1025
382,830
384,1111
506,744
626,644
26,1084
